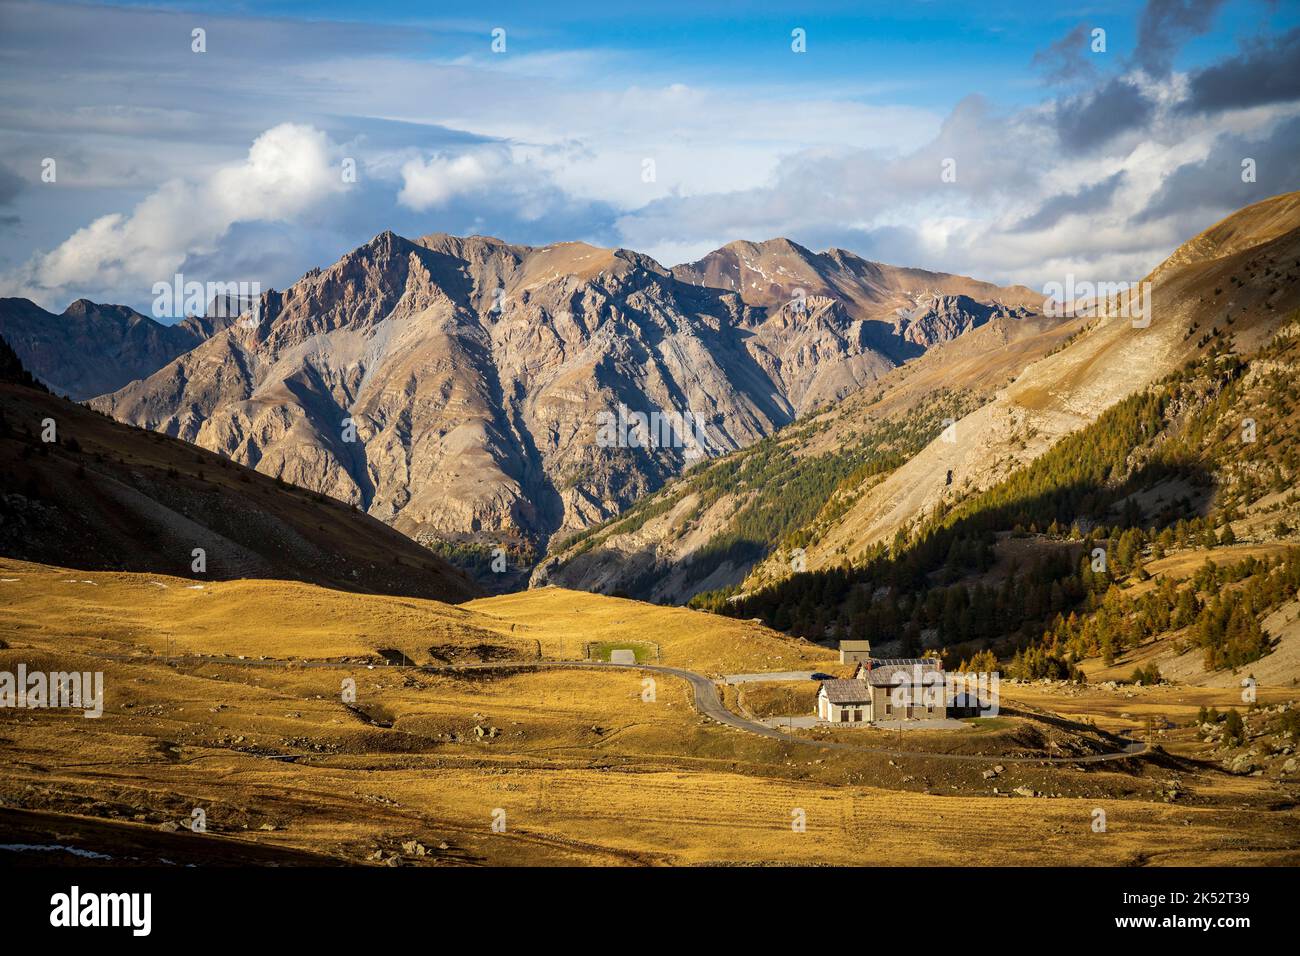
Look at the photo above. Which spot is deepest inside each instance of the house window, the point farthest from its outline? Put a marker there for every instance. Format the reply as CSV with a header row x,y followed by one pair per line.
x,y
889,708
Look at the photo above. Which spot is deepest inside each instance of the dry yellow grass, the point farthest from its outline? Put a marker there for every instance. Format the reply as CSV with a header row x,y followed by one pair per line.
x,y
118,612
1127,708
772,699
1183,564
634,815
585,767
566,620
108,612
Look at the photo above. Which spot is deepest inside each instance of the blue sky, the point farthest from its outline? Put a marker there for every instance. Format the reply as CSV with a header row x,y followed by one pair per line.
x,y
925,53
226,163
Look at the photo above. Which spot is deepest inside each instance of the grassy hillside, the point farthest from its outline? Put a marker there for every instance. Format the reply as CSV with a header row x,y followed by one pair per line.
x,y
566,621
129,613
1238,280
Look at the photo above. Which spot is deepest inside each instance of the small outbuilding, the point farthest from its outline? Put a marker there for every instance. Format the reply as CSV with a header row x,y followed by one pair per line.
x,y
855,652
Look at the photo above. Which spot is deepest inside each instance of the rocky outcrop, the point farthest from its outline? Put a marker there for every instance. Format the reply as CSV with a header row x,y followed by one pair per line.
x,y
898,312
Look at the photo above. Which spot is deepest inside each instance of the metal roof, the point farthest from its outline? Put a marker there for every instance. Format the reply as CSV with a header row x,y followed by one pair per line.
x,y
881,673
924,662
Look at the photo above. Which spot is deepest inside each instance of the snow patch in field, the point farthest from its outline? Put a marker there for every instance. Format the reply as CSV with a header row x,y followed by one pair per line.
x,y
53,848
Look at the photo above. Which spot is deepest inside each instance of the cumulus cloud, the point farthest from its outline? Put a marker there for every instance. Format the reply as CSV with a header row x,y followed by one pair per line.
x,y
433,182
288,170
502,184
553,145
863,190
1212,184
1090,120
1103,182
1086,201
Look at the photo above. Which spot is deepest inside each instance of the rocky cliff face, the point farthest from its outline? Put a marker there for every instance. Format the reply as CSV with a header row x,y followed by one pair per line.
x,y
721,524
464,387
935,318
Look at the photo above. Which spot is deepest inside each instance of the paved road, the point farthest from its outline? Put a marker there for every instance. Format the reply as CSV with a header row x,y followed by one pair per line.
x,y
710,705
707,702
773,676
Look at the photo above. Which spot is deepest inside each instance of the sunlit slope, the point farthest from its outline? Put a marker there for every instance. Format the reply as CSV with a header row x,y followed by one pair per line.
x,y
565,621
108,612
711,527
584,767
1237,280
127,613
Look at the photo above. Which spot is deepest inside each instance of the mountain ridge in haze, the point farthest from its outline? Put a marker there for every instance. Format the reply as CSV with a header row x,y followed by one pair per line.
x,y
90,349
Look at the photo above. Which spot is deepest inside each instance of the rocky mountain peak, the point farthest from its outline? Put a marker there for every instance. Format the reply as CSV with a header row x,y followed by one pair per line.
x,y
468,388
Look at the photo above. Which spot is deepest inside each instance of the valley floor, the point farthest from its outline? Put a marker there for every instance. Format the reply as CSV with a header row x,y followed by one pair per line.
x,y
560,766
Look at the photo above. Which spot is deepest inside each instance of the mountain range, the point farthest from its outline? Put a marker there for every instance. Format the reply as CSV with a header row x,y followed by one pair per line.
x,y
461,389
856,475
454,388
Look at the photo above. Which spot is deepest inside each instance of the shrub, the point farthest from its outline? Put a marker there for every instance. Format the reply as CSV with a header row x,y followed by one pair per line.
x,y
1234,728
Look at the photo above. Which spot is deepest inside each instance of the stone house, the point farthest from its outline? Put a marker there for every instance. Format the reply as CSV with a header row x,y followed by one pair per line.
x,y
870,696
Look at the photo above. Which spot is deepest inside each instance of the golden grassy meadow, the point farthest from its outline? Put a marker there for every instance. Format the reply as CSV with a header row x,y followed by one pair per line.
x,y
573,766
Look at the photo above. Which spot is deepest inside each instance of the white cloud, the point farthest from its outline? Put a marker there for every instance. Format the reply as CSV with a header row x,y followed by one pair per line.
x,y
591,137
894,207
544,145
289,170
433,182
